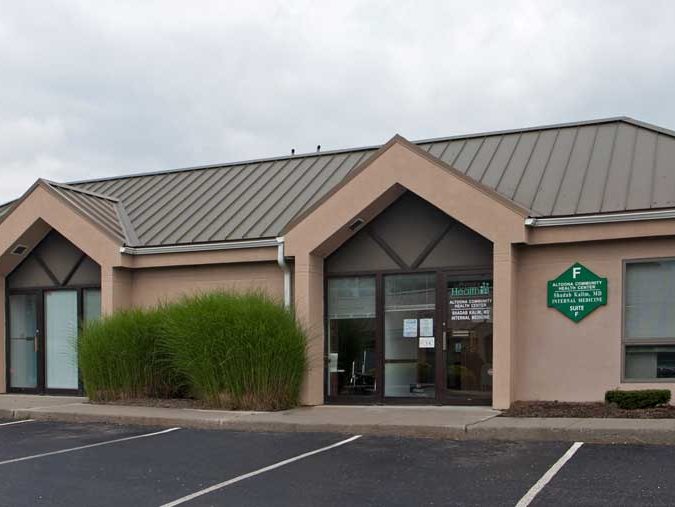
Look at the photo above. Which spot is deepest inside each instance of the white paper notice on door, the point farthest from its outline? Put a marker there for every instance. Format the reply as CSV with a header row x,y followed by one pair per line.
x,y
426,327
410,328
427,342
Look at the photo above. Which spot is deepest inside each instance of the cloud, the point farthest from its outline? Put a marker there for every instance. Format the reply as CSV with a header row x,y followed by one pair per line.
x,y
101,88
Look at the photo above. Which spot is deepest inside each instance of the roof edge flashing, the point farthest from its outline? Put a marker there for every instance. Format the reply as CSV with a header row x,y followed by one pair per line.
x,y
605,218
199,247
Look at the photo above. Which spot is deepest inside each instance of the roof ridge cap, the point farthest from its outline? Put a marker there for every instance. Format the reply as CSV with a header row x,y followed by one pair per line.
x,y
536,128
648,126
82,191
128,229
475,135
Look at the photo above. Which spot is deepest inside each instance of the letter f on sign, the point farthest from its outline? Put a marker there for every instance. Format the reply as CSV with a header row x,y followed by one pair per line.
x,y
576,270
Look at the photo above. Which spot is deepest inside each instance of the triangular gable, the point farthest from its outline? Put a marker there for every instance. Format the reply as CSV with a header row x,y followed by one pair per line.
x,y
88,221
398,166
106,211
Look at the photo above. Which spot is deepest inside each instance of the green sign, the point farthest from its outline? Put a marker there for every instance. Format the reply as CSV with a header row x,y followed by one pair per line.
x,y
577,292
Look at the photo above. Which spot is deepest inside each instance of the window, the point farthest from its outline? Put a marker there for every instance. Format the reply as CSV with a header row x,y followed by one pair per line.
x,y
91,305
649,320
351,336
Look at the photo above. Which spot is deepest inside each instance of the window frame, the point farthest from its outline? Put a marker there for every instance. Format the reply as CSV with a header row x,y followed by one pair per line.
x,y
626,341
344,398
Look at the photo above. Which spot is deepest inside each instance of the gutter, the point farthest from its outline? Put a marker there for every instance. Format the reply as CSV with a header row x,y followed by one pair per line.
x,y
199,247
229,245
604,218
281,260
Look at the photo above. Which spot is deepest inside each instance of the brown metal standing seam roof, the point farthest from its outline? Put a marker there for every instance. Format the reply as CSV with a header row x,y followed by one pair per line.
x,y
600,166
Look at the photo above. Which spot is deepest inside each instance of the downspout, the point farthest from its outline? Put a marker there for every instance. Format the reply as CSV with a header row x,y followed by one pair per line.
x,y
281,260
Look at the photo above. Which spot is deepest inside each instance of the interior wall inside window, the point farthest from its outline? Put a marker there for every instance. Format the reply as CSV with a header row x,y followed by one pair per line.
x,y
351,336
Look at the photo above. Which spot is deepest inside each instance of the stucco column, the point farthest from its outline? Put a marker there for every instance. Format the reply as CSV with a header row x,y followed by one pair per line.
x,y
115,289
3,343
504,273
308,301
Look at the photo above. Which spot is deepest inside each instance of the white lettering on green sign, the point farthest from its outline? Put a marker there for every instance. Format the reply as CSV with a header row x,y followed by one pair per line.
x,y
577,292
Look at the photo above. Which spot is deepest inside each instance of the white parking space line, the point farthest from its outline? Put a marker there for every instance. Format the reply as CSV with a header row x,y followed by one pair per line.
x,y
89,446
239,478
550,473
17,422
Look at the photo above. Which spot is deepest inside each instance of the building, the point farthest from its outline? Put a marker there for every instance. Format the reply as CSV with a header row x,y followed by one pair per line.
x,y
531,264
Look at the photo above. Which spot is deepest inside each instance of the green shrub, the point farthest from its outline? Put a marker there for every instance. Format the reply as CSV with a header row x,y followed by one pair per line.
x,y
646,398
237,351
120,357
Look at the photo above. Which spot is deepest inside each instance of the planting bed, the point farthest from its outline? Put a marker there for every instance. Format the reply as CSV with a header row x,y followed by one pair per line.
x,y
157,403
564,409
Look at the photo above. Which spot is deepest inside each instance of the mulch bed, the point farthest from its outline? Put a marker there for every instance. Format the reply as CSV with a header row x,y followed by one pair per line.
x,y
156,402
563,409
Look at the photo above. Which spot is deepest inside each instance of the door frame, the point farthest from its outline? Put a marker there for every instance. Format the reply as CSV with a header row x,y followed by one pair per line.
x,y
445,397
42,338
442,396
39,338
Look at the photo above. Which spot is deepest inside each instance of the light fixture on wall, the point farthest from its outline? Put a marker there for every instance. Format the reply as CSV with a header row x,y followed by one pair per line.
x,y
19,250
356,224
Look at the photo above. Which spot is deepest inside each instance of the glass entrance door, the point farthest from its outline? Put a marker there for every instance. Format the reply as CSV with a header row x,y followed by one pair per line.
x,y
24,341
468,340
61,326
421,337
43,330
409,335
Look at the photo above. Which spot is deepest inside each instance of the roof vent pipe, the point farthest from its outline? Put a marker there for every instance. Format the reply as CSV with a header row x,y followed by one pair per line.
x,y
318,148
281,260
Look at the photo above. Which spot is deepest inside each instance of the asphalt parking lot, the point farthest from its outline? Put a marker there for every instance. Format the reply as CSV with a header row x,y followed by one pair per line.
x,y
45,463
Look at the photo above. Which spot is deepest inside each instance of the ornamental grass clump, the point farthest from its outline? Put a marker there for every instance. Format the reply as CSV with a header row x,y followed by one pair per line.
x,y
236,351
121,357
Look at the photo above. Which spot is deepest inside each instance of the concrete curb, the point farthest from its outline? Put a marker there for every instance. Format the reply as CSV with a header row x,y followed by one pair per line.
x,y
246,425
600,431
603,431
591,436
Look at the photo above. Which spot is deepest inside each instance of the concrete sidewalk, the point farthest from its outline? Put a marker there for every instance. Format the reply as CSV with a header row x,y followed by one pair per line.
x,y
461,423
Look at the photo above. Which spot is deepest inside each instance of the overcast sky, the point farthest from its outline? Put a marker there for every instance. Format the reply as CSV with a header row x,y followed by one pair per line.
x,y
97,88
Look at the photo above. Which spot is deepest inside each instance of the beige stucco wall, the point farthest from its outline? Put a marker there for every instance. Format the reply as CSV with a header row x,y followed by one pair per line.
x,y
125,288
539,354
3,361
150,286
122,286
38,212
387,174
558,359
